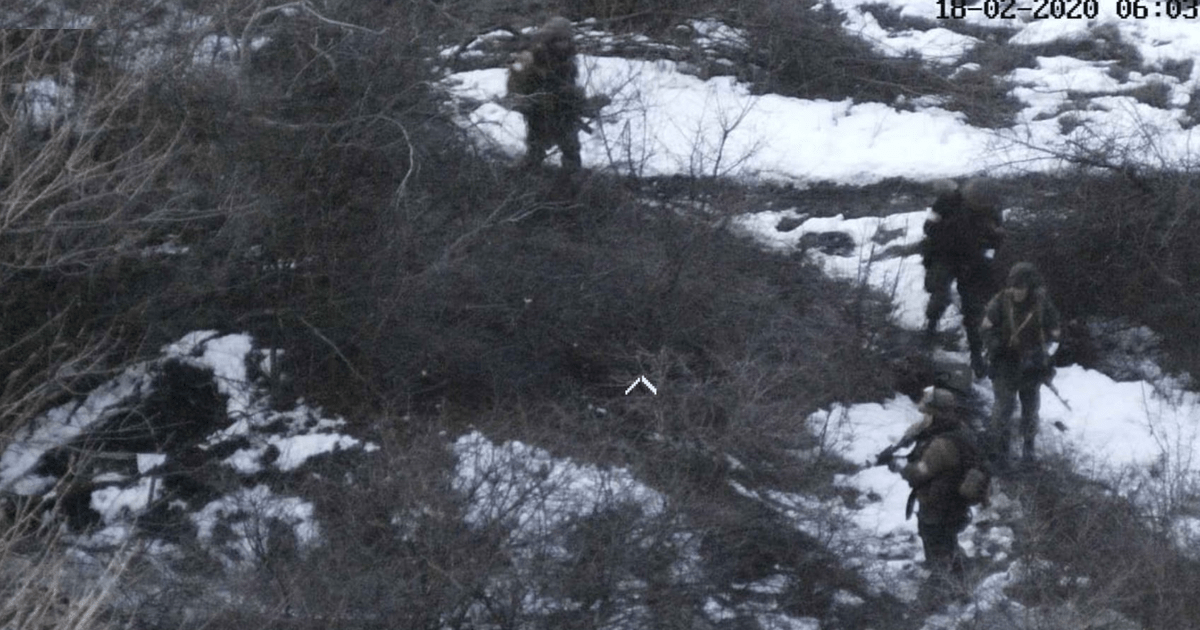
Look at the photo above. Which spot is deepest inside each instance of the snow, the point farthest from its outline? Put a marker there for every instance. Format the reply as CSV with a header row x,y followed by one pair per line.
x,y
288,439
248,515
44,100
535,492
939,45
58,427
114,503
901,276
1143,434
149,461
664,122
667,123
711,32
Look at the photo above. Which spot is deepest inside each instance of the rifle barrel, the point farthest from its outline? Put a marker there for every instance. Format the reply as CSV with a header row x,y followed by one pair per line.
x,y
1054,390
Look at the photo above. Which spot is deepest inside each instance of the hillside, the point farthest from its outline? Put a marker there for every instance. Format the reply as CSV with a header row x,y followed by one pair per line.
x,y
289,341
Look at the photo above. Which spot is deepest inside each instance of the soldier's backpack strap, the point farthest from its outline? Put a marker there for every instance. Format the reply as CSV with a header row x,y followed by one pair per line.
x,y
922,441
975,475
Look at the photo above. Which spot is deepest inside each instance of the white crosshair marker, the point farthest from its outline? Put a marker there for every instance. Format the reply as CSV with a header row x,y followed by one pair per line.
x,y
648,384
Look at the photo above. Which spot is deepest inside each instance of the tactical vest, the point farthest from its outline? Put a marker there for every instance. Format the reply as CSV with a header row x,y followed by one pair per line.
x,y
1035,317
971,477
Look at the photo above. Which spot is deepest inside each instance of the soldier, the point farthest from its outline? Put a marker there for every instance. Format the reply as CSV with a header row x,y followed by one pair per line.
x,y
962,234
1021,330
542,83
947,474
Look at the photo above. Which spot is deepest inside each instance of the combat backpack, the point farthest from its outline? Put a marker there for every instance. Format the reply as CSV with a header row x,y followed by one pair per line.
x,y
976,481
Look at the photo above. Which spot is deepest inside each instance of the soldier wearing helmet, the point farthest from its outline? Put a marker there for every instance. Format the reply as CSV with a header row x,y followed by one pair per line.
x,y
1021,330
542,85
947,475
962,232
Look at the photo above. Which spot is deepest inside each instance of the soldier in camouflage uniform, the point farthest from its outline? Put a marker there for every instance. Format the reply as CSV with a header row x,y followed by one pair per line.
x,y
1021,329
948,475
961,235
542,85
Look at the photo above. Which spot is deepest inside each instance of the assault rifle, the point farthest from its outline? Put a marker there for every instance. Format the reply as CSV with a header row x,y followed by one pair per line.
x,y
888,454
590,110
1048,379
1049,383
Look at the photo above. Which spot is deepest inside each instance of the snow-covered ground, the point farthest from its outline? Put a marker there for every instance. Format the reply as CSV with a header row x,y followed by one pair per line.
x,y
665,122
1145,434
247,437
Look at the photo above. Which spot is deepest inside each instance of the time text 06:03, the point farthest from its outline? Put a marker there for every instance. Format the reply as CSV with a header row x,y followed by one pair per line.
x,y
1070,9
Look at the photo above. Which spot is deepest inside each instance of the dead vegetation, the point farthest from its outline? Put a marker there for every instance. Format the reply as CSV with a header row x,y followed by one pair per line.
x,y
312,192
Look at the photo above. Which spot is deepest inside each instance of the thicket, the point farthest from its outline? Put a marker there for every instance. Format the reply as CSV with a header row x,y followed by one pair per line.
x,y
301,180
1121,245
294,174
1083,543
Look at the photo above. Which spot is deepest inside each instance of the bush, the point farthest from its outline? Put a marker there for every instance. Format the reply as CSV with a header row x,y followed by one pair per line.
x,y
1123,246
805,53
102,185
1074,530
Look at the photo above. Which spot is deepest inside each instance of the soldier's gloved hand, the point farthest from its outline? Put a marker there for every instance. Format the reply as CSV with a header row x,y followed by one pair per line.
x,y
989,254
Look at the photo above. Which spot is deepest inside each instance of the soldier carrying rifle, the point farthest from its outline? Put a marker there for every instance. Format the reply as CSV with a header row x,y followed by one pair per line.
x,y
542,84
947,474
1020,330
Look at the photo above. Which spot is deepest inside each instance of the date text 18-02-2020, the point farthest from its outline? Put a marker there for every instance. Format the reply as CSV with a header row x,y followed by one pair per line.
x,y
1069,9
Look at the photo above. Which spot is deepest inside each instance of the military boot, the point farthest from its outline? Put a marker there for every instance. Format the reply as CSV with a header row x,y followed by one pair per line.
x,y
998,452
1027,450
978,365
929,337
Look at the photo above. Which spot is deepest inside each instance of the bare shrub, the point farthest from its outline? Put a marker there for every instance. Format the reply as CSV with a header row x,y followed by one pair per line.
x,y
423,540
48,590
981,93
805,52
1123,245
1103,43
1074,530
1191,111
1153,93
101,186
1179,68
1000,59
109,187
640,15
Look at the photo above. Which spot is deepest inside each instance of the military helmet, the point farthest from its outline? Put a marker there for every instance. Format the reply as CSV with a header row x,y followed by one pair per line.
x,y
937,401
1024,274
980,192
940,412
557,27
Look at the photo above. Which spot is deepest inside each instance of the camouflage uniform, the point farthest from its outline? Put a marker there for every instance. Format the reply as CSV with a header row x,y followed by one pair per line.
x,y
1019,323
964,224
944,452
542,83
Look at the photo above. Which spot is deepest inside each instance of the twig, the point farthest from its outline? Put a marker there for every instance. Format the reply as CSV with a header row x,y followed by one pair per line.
x,y
341,355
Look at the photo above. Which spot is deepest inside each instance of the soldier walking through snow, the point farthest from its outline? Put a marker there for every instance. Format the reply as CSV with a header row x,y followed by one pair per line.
x,y
948,475
542,83
1021,330
961,235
